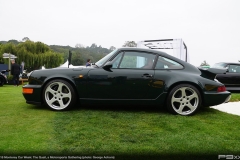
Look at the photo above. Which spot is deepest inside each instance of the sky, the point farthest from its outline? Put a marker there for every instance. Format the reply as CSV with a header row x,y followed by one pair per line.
x,y
209,28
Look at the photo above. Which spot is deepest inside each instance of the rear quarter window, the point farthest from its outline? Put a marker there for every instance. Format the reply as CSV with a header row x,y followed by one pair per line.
x,y
165,63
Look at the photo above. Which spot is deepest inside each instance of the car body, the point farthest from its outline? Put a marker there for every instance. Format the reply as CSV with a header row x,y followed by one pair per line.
x,y
231,79
124,77
3,78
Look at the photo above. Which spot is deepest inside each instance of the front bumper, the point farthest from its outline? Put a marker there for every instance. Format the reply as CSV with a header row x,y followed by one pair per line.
x,y
35,97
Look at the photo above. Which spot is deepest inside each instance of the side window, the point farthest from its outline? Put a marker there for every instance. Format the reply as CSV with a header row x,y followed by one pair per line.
x,y
133,59
234,68
116,60
165,63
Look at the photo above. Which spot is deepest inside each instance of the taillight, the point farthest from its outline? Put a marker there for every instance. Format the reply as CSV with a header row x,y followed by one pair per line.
x,y
221,89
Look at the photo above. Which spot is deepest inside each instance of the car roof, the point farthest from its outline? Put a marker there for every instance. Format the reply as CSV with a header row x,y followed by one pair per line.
x,y
152,51
229,63
140,49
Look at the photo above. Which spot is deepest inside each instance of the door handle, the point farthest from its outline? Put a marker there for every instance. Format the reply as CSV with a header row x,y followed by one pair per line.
x,y
147,75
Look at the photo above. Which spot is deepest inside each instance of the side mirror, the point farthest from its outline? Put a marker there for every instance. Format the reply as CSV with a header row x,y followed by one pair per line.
x,y
108,66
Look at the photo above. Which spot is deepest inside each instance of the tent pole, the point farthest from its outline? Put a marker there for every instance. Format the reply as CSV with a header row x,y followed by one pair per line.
x,y
9,67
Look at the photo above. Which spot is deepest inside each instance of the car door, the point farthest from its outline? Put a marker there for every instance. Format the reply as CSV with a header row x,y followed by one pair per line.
x,y
127,79
237,76
232,76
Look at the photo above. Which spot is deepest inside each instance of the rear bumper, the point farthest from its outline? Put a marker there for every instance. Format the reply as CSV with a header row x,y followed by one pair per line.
x,y
213,98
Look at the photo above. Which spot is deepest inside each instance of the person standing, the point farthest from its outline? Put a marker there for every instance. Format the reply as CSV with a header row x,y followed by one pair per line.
x,y
88,62
15,71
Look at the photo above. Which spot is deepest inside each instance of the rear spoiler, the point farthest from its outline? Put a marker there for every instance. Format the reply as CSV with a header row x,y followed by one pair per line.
x,y
211,73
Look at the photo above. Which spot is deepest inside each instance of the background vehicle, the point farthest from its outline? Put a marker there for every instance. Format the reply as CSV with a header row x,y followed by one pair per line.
x,y
231,79
125,76
3,77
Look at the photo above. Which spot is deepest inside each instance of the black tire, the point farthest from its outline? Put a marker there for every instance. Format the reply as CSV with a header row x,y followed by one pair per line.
x,y
1,81
184,99
59,95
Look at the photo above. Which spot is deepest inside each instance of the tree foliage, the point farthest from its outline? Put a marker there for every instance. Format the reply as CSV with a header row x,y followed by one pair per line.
x,y
130,44
25,39
204,63
33,54
37,54
13,41
112,48
78,45
80,55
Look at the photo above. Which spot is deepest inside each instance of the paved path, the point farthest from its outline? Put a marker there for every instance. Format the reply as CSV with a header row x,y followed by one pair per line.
x,y
230,107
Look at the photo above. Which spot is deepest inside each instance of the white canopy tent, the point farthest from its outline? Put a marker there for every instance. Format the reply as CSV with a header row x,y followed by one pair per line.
x,y
65,65
9,55
173,47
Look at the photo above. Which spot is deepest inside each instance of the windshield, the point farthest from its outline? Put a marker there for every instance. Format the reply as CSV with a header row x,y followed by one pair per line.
x,y
104,59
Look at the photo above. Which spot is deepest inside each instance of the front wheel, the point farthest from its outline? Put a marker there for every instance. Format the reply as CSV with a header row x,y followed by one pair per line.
x,y
59,95
184,99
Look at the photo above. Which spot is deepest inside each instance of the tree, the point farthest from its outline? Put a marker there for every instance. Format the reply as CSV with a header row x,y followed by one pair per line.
x,y
130,44
33,54
78,45
112,48
25,39
13,41
204,63
93,45
77,59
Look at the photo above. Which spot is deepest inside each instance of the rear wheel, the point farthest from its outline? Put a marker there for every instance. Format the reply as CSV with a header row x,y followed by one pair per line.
x,y
184,99
59,95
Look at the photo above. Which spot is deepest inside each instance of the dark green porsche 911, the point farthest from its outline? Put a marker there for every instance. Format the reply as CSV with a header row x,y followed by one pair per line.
x,y
129,76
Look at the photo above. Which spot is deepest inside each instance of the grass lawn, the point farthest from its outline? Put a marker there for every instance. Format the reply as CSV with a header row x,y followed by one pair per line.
x,y
123,132
235,97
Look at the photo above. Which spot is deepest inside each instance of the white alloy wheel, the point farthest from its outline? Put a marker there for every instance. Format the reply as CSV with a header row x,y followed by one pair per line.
x,y
184,100
59,95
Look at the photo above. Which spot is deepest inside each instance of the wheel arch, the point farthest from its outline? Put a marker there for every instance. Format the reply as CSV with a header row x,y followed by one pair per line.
x,y
184,82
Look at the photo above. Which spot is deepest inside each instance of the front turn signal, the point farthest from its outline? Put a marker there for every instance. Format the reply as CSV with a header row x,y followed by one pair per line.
x,y
27,90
